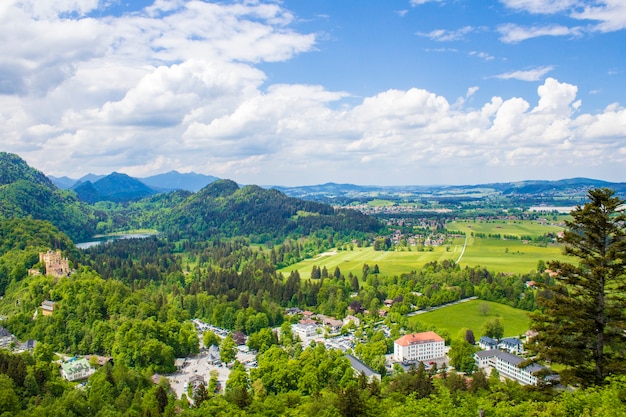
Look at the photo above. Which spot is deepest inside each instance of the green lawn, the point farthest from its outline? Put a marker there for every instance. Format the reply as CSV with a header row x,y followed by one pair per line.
x,y
467,315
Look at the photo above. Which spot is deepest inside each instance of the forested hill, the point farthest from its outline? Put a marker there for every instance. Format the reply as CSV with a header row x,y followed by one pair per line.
x,y
225,208
13,169
26,192
221,208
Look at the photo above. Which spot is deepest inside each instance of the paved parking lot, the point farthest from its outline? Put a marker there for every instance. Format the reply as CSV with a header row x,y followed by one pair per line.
x,y
199,365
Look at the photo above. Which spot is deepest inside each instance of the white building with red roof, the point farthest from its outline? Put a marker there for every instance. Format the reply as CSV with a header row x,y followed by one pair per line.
x,y
419,347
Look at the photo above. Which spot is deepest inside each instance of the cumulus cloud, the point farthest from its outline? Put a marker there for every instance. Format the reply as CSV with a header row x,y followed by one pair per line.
x,y
176,86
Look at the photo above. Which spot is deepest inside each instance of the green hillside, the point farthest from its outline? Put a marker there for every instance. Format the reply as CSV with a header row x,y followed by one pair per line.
x,y
26,192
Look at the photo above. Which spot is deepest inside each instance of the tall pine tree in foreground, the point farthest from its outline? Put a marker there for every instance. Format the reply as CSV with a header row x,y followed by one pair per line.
x,y
582,321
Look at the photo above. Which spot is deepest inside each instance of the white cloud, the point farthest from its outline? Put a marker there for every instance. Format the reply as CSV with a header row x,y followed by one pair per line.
x,y
556,97
51,9
512,33
176,87
442,35
482,55
611,15
534,74
608,15
420,2
541,6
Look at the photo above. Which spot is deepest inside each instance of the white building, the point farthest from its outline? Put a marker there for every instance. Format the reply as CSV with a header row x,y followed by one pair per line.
x,y
511,345
419,347
76,369
487,343
305,330
507,366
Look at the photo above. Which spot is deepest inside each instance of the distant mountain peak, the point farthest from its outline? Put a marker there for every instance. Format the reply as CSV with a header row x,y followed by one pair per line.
x,y
115,187
174,180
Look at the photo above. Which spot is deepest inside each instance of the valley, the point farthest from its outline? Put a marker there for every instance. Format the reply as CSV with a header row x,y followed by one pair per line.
x,y
293,295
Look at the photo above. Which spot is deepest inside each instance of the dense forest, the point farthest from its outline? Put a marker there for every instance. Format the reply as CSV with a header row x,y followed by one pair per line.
x,y
216,259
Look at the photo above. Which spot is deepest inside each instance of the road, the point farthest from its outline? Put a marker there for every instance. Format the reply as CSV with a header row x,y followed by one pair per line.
x,y
464,300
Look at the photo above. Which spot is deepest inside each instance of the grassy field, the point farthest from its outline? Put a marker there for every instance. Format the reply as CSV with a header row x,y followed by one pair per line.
x,y
497,255
389,263
507,255
518,228
467,315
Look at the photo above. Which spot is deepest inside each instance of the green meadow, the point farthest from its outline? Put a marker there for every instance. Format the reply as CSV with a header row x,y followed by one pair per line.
x,y
498,255
456,317
507,255
389,262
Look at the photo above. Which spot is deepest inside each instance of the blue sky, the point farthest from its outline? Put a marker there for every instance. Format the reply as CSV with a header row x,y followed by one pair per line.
x,y
306,92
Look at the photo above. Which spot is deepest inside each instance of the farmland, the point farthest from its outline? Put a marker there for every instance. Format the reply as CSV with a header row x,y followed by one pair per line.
x,y
497,254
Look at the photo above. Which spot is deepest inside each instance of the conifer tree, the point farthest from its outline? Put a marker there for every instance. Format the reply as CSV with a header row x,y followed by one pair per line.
x,y
582,321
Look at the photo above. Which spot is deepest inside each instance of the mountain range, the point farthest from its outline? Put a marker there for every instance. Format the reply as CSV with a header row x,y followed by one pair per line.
x,y
168,181
121,187
221,208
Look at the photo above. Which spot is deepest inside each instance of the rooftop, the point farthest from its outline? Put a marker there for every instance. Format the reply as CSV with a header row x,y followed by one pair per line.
x,y
414,338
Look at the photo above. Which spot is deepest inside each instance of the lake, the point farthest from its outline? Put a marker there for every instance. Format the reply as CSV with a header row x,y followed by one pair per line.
x,y
110,238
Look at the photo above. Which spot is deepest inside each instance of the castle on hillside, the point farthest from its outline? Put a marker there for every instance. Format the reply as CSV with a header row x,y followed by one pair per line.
x,y
56,265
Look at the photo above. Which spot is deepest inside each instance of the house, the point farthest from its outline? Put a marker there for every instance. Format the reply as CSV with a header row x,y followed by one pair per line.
x,y
333,325
508,366
419,347
292,311
511,345
47,307
214,355
75,369
6,338
359,367
487,343
305,329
